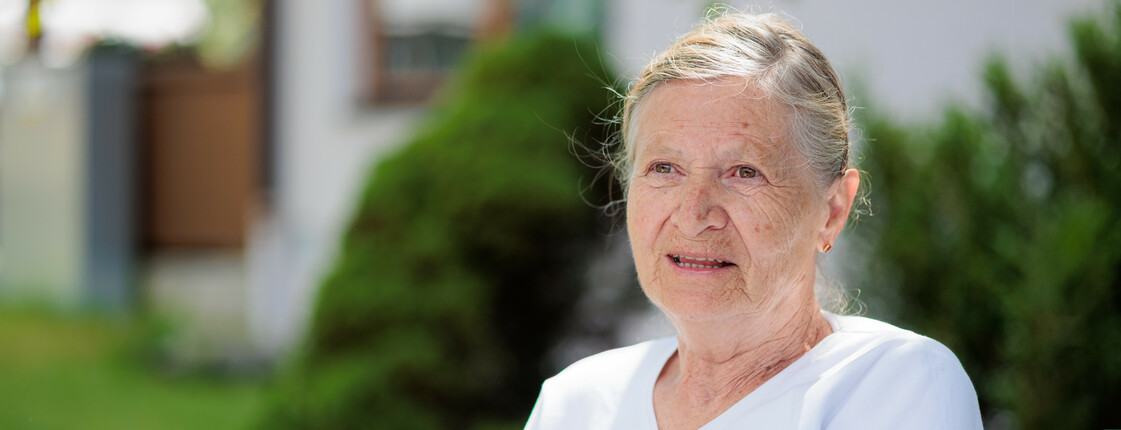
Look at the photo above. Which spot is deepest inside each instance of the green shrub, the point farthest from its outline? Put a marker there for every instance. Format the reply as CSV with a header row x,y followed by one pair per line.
x,y
998,230
465,256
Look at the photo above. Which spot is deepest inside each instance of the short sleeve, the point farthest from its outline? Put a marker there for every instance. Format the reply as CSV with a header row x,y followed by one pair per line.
x,y
561,407
918,384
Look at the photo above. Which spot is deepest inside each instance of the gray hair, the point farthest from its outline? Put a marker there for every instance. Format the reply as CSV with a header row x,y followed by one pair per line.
x,y
770,53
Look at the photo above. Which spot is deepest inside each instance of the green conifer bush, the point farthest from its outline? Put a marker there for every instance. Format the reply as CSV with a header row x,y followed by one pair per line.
x,y
998,231
465,254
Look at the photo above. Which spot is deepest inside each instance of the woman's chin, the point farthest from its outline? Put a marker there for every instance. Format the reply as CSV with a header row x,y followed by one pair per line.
x,y
694,305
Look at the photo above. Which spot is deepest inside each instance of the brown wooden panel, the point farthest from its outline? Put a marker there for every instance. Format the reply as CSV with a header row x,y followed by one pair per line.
x,y
201,153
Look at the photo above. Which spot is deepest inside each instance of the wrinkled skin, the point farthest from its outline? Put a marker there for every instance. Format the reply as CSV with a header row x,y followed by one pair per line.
x,y
716,177
768,225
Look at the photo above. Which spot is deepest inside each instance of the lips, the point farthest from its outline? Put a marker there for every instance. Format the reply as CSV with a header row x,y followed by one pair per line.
x,y
692,262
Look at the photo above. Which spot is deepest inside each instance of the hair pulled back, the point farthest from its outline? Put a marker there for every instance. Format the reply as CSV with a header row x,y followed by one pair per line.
x,y
769,53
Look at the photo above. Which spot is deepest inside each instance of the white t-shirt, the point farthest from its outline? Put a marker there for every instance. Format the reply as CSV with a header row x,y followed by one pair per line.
x,y
865,375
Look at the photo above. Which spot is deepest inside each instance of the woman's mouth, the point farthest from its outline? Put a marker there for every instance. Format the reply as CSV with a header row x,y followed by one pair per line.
x,y
698,262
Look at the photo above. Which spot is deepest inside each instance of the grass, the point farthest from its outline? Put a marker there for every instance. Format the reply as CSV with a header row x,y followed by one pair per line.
x,y
74,372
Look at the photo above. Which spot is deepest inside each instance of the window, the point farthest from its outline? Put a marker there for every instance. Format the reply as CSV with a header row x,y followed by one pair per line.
x,y
412,46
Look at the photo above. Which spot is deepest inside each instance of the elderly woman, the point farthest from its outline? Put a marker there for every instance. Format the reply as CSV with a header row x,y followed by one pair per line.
x,y
736,164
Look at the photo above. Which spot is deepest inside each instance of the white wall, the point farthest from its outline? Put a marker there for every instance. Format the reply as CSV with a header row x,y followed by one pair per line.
x,y
42,188
325,142
911,55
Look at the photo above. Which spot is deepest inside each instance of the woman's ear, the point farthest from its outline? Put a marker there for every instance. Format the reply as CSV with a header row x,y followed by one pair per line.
x,y
840,198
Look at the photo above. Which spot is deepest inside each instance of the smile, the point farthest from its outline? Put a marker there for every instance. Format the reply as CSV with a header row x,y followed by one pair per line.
x,y
698,263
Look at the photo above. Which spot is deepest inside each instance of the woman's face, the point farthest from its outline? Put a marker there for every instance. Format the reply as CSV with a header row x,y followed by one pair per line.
x,y
723,215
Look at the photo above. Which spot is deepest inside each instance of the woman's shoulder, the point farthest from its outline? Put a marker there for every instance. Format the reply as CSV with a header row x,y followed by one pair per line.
x,y
869,336
871,372
593,392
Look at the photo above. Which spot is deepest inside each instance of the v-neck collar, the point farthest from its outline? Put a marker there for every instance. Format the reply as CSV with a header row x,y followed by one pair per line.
x,y
660,358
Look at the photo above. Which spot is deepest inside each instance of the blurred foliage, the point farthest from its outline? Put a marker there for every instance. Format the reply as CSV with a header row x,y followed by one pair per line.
x,y
232,33
466,254
999,230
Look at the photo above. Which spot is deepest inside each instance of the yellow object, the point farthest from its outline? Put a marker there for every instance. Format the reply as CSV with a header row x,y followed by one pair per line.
x,y
34,24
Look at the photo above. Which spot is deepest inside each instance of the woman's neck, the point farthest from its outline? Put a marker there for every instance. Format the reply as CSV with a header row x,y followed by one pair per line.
x,y
719,362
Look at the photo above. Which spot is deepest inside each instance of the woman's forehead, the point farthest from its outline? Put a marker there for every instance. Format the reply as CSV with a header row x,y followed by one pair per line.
x,y
720,118
734,94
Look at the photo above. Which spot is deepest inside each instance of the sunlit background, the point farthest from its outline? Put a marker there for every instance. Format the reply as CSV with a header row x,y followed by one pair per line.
x,y
387,213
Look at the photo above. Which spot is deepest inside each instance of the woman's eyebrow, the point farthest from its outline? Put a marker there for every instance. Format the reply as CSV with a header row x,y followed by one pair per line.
x,y
727,153
747,148
655,145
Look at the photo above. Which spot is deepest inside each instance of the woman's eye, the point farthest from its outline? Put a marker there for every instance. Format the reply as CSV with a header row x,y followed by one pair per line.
x,y
663,168
746,172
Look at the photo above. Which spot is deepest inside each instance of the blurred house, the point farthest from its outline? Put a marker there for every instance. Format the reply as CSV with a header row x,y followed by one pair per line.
x,y
351,79
228,185
215,190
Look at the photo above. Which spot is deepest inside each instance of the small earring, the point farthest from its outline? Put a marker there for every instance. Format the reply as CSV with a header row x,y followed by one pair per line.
x,y
827,247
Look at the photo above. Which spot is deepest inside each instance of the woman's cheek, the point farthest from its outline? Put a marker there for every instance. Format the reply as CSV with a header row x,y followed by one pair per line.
x,y
774,220
646,211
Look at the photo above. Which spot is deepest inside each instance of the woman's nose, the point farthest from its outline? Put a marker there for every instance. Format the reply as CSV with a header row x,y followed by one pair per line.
x,y
699,208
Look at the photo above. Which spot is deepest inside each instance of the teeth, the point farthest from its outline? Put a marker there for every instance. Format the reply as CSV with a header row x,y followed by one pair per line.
x,y
717,265
698,266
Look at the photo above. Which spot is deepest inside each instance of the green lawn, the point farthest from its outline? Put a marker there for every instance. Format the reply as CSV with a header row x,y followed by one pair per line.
x,y
72,373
